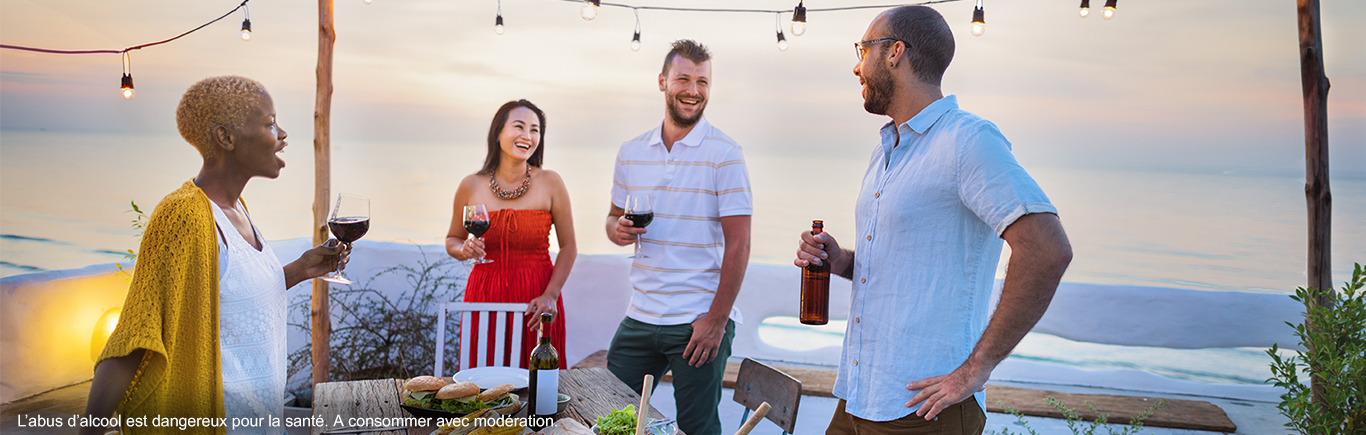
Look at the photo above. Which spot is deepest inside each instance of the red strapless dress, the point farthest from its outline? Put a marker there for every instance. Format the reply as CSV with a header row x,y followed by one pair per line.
x,y
518,242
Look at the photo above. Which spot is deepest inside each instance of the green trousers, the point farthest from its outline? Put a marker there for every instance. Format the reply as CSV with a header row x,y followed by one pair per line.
x,y
640,348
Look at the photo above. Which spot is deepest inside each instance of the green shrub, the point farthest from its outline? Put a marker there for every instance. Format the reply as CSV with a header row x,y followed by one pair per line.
x,y
1336,359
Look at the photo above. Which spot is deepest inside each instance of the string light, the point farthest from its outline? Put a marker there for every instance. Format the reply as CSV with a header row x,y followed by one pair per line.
x,y
635,39
589,11
126,83
782,40
498,22
369,1
1109,9
1085,8
979,21
246,24
799,19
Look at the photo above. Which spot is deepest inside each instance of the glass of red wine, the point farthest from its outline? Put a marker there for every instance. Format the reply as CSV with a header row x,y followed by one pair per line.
x,y
641,213
477,222
349,222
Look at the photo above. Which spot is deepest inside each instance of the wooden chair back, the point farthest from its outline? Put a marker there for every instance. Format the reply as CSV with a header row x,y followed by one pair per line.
x,y
758,383
505,318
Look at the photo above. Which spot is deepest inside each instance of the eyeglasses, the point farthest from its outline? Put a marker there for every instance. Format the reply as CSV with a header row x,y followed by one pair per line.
x,y
861,47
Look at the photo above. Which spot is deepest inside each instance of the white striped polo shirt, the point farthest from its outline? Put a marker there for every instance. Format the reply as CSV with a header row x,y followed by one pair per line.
x,y
702,179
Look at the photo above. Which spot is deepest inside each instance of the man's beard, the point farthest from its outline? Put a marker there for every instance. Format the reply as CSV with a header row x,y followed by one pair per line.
x,y
881,88
676,113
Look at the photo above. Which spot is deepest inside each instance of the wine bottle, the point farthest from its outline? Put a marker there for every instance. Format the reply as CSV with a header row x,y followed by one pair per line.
x,y
815,304
544,389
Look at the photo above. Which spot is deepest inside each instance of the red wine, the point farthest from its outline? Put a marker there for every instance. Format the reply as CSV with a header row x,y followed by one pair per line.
x,y
815,305
640,220
544,379
349,228
478,228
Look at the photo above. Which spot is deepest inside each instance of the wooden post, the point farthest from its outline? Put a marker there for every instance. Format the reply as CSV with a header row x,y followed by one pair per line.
x,y
1315,86
322,179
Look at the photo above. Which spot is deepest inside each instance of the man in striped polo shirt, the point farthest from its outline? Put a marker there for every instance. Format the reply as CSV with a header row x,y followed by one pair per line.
x,y
693,254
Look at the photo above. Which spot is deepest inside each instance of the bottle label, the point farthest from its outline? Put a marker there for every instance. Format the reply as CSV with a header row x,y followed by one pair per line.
x,y
547,391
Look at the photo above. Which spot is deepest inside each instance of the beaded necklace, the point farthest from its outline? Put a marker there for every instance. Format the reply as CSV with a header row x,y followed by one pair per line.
x,y
493,185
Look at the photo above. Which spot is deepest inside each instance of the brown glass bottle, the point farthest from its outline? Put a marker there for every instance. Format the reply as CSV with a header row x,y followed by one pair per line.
x,y
816,288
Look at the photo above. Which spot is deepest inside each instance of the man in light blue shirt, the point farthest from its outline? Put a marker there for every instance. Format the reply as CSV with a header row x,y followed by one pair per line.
x,y
941,192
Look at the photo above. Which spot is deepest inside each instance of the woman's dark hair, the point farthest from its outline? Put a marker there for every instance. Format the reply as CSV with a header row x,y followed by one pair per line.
x,y
495,155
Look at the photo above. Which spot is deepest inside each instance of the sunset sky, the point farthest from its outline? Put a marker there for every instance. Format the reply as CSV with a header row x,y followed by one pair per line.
x,y
1208,84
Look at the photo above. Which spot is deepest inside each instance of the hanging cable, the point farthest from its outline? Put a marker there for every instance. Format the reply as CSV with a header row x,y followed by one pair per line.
x,y
979,20
125,50
799,19
246,23
635,40
777,24
498,22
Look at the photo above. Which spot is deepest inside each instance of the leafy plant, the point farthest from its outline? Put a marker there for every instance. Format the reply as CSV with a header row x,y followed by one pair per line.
x,y
1336,339
1074,420
377,336
139,223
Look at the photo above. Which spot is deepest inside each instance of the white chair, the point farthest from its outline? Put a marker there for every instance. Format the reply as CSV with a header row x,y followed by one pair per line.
x,y
499,314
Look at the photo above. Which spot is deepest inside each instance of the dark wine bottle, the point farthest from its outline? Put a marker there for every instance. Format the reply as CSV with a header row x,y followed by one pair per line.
x,y
544,389
815,306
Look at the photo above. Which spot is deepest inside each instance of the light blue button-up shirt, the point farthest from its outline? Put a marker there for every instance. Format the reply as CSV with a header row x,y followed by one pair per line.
x,y
928,219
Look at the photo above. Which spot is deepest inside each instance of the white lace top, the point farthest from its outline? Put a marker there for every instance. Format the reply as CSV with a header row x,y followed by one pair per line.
x,y
251,327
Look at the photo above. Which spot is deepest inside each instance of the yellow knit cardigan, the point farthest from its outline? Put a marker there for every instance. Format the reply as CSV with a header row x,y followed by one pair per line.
x,y
172,312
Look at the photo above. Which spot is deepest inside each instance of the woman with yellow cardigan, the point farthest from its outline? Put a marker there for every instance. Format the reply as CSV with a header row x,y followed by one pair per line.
x,y
202,334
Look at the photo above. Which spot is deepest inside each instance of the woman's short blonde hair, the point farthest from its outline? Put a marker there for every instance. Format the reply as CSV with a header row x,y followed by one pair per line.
x,y
223,100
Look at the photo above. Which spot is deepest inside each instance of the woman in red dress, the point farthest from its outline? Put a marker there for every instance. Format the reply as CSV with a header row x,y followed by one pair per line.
x,y
523,202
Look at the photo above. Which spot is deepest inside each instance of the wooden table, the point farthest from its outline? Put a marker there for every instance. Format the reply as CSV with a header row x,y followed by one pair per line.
x,y
594,392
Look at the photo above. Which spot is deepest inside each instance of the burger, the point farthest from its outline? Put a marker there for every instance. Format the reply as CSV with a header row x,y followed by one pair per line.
x,y
459,397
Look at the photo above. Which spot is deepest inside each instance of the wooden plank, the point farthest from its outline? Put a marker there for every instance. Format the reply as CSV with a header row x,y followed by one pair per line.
x,y
359,399
597,359
595,392
1179,414
758,383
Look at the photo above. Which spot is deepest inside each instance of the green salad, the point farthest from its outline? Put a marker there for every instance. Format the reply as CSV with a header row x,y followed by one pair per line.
x,y
619,422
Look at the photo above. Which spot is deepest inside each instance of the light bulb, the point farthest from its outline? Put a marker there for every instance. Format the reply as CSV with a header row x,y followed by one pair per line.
x,y
246,30
589,11
798,28
799,19
498,24
126,86
782,42
979,21
369,1
1109,13
635,42
1085,12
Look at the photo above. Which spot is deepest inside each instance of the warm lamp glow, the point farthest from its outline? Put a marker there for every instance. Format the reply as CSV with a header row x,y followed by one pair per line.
x,y
103,328
1085,8
127,86
979,20
1109,9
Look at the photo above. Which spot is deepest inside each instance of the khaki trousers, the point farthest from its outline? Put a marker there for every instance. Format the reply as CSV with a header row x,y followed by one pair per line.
x,y
964,418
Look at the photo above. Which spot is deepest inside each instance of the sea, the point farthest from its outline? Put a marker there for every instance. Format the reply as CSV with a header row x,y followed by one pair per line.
x,y
67,201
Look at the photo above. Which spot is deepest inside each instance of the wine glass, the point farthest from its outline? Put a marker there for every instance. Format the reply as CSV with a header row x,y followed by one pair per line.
x,y
349,222
641,213
477,222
